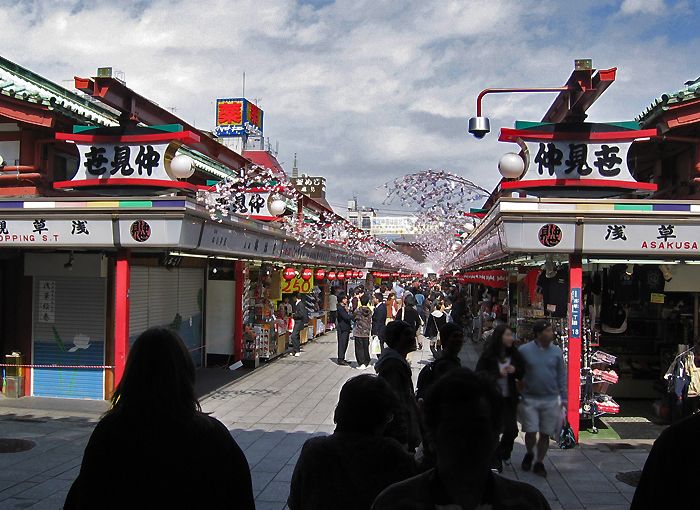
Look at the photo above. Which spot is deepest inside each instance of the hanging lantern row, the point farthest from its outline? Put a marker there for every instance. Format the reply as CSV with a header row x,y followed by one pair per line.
x,y
307,273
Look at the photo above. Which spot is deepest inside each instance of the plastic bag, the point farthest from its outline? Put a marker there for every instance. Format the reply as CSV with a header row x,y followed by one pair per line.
x,y
375,346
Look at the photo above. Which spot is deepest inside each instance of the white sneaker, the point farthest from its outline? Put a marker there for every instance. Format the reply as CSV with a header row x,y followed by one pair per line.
x,y
363,367
297,354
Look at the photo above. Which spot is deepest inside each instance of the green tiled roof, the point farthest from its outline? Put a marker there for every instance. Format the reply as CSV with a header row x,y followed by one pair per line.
x,y
689,92
25,85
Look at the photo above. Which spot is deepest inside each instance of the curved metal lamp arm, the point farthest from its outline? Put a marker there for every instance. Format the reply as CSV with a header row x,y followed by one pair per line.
x,y
515,90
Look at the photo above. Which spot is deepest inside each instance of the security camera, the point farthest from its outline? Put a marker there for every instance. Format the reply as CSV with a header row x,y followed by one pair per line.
x,y
479,126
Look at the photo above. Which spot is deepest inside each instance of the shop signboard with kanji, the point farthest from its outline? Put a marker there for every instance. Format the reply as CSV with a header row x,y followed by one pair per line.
x,y
108,157
581,159
314,187
252,203
659,239
45,231
236,117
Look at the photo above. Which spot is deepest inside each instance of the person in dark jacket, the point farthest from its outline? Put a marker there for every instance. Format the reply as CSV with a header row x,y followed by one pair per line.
x,y
410,315
363,328
348,469
462,412
671,471
503,364
344,328
435,321
301,320
393,367
155,448
379,317
453,336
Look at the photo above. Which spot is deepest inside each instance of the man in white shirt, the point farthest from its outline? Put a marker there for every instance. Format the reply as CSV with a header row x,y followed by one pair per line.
x,y
333,308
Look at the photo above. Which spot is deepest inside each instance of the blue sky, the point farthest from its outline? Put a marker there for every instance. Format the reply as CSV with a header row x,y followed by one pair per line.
x,y
364,90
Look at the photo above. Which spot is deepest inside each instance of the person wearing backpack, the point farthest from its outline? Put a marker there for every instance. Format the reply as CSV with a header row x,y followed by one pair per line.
x,y
452,337
435,321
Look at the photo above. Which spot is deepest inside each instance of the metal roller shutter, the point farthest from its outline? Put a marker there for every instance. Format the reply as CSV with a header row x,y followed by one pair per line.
x,y
168,298
69,329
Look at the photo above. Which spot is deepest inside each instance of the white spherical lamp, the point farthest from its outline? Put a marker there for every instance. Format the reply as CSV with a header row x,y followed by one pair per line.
x,y
469,227
278,206
182,166
511,165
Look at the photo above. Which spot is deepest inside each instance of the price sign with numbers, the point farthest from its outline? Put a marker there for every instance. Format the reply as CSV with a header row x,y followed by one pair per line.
x,y
297,285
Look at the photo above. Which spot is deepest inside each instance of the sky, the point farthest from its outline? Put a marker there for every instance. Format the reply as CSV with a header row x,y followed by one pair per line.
x,y
364,91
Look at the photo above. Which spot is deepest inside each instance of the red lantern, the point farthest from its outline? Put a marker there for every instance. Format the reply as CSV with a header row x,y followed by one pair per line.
x,y
289,273
341,275
331,275
355,274
307,273
320,274
395,275
348,274
361,275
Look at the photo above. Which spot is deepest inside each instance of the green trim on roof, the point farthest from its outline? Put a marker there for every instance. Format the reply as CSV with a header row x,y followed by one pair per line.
x,y
526,124
690,92
634,207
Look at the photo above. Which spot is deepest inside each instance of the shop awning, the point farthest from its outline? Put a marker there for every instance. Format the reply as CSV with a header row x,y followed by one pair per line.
x,y
525,231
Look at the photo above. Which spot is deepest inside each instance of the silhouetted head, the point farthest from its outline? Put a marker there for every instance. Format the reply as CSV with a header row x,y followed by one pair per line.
x,y
400,336
158,378
365,405
410,301
364,300
452,338
462,413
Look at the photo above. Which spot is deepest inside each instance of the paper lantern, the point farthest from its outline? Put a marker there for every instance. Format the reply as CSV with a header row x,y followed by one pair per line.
x,y
320,274
289,273
355,274
182,166
331,275
307,273
341,275
348,274
361,275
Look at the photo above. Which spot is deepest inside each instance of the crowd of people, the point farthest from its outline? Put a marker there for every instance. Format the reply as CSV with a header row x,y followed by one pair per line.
x,y
440,444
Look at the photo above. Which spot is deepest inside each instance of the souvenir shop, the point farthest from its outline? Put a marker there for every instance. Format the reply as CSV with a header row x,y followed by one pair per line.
x,y
618,279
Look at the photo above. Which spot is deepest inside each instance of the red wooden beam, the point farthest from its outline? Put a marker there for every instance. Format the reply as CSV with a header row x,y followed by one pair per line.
x,y
186,137
136,108
26,113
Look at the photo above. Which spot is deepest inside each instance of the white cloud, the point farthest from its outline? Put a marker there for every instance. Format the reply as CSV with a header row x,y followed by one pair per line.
x,y
629,7
363,90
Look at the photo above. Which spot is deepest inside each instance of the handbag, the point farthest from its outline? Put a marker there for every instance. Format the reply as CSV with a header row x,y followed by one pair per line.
x,y
375,346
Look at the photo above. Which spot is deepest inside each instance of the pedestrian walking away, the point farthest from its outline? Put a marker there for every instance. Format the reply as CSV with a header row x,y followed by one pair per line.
x,y
379,319
543,395
448,361
393,367
362,331
503,364
332,308
344,328
462,414
155,448
435,321
301,321
409,314
348,469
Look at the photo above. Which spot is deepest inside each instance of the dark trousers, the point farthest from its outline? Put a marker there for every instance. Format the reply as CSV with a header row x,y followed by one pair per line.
x,y
510,427
296,339
362,351
343,339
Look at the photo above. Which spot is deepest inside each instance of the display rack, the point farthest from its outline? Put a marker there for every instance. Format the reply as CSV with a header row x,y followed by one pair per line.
x,y
596,377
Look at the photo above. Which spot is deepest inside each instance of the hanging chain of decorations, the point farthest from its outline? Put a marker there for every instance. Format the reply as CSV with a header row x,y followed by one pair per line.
x,y
431,189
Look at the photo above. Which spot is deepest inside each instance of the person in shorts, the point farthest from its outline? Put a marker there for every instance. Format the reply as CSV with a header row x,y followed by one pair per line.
x,y
543,395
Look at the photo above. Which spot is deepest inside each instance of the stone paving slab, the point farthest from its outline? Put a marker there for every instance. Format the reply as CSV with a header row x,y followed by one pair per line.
x,y
271,413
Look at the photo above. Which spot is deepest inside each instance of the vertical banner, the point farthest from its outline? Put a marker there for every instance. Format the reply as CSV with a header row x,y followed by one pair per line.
x,y
575,323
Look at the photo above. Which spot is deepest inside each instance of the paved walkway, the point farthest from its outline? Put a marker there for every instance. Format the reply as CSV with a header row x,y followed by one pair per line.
x,y
271,413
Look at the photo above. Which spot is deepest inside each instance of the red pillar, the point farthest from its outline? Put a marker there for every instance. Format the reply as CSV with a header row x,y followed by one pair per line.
x,y
575,325
121,314
239,276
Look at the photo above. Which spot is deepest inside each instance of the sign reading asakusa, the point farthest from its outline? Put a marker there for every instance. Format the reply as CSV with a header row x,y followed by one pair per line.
x,y
661,238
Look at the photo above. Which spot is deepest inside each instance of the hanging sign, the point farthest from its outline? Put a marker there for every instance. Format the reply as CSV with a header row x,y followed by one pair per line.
x,y
297,284
575,313
571,159
108,157
657,239
495,279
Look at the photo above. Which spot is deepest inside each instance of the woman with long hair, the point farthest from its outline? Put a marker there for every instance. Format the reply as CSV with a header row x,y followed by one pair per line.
x,y
502,363
155,448
391,307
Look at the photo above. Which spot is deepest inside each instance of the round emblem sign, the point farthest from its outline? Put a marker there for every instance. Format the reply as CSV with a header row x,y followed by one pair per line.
x,y
140,231
550,235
